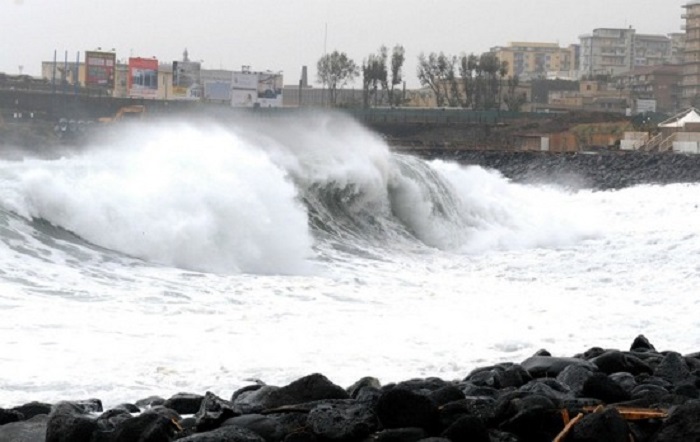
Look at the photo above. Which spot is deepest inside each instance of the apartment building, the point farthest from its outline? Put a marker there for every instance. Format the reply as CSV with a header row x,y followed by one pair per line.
x,y
691,68
611,51
531,60
660,84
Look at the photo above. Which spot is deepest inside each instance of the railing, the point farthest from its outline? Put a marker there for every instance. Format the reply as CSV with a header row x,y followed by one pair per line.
x,y
653,143
667,144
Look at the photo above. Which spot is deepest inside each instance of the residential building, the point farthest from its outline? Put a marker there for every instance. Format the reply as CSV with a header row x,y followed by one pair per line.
x,y
691,68
531,60
611,51
677,47
658,83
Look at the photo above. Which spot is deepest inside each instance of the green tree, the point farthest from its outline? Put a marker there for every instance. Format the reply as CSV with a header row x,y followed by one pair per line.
x,y
336,70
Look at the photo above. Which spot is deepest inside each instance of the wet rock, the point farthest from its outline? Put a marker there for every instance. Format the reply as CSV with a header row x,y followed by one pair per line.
x,y
110,419
146,427
30,430
673,368
70,422
574,376
342,422
8,416
545,366
400,408
625,380
549,388
614,361
483,408
446,395
641,343
400,435
682,425
301,436
184,403
366,382
266,427
131,408
229,433
213,411
33,409
310,388
600,386
606,426
467,428
150,401
423,386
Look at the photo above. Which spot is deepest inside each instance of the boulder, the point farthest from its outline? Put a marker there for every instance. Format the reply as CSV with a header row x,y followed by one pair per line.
x,y
229,433
184,403
614,361
30,430
446,395
366,382
600,386
546,366
149,402
682,425
673,368
606,426
33,409
400,408
574,376
265,426
8,416
213,411
400,435
146,427
467,428
70,422
342,422
642,344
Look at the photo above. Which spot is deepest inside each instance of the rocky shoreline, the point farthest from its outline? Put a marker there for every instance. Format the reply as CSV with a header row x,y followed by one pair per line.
x,y
600,170
599,395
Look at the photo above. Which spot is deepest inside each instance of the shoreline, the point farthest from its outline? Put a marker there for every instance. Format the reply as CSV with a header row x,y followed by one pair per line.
x,y
615,394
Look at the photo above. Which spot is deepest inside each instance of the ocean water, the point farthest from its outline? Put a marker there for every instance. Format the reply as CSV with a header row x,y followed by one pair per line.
x,y
197,257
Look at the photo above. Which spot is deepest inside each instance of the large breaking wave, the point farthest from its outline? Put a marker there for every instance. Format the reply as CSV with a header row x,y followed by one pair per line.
x,y
266,196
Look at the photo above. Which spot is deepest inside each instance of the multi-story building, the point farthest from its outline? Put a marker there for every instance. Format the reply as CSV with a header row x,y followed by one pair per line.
x,y
660,84
691,67
610,51
537,60
677,47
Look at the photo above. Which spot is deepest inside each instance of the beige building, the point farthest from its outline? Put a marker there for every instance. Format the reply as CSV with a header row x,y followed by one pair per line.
x,y
531,60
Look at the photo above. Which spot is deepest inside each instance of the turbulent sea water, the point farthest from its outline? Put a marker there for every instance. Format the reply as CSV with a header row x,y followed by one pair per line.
x,y
196,257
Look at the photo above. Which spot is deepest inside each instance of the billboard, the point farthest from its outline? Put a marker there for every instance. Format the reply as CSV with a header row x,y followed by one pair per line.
x,y
100,69
186,80
143,77
256,89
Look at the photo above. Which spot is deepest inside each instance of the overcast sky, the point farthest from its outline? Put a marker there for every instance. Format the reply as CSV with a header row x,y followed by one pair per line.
x,y
283,35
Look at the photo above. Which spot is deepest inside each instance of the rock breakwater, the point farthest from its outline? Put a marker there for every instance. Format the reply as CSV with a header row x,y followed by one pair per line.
x,y
596,170
601,394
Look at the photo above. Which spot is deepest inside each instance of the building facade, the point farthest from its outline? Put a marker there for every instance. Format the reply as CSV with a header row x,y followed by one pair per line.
x,y
691,67
660,84
531,60
611,51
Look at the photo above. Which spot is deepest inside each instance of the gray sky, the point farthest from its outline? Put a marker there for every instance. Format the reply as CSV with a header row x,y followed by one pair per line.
x,y
286,34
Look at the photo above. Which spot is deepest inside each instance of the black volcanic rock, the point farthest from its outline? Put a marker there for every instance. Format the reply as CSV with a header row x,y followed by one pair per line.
x,y
600,386
682,425
547,366
8,416
213,411
399,408
336,422
33,409
641,343
229,433
673,368
184,403
606,426
614,361
70,422
467,428
31,430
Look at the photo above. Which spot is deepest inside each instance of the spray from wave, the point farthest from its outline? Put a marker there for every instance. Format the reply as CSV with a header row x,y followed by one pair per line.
x,y
262,196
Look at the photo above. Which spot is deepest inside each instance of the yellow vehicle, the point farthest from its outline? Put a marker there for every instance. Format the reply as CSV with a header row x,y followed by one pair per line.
x,y
133,112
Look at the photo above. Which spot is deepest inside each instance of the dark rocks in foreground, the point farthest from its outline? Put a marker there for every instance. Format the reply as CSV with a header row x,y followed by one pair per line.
x,y
507,402
595,170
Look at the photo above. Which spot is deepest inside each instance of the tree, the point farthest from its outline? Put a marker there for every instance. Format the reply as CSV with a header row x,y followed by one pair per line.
x,y
398,56
437,71
513,100
374,73
336,70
